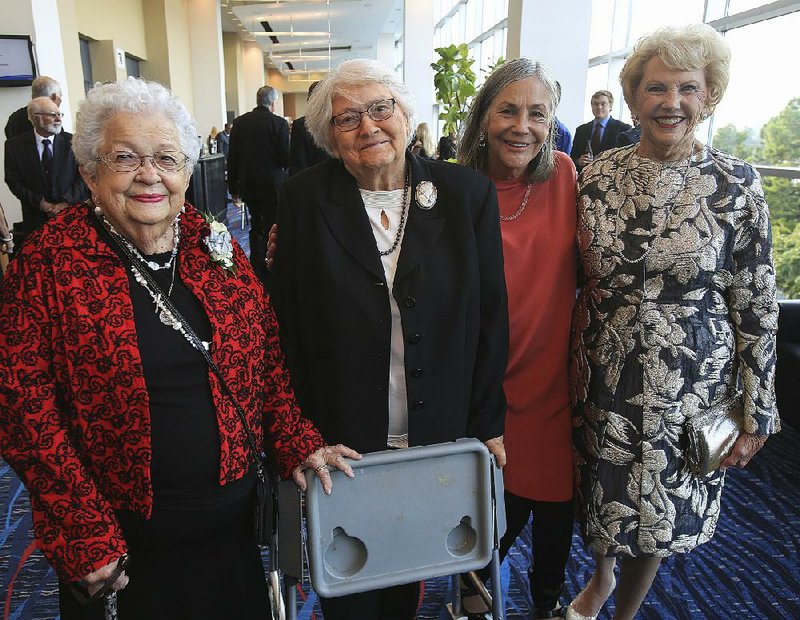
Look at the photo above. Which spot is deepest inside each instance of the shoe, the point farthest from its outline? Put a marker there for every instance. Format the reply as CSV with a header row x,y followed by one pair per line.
x,y
574,615
556,612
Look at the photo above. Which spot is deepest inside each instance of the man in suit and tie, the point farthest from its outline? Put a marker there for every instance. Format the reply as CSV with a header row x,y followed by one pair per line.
x,y
304,152
40,167
42,86
599,134
257,159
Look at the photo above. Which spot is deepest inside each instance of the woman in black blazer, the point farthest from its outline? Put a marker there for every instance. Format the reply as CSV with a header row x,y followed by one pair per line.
x,y
389,289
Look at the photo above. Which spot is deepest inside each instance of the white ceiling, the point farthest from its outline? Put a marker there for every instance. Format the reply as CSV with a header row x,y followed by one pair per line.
x,y
354,26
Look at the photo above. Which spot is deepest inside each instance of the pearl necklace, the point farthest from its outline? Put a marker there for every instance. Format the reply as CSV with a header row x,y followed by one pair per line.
x,y
518,212
176,239
667,205
162,311
402,217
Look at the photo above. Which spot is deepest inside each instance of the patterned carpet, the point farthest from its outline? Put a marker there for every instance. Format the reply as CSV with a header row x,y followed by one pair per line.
x,y
751,569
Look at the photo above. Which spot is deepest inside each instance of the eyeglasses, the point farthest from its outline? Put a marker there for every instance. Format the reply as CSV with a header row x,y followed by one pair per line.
x,y
126,161
53,115
81,591
351,119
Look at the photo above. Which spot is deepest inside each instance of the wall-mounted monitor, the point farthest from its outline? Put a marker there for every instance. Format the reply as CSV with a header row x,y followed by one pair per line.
x,y
17,67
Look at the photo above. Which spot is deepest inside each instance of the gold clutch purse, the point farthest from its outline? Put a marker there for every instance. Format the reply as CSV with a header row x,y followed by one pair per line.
x,y
712,433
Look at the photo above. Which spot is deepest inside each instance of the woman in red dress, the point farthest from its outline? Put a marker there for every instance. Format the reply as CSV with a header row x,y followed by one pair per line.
x,y
509,137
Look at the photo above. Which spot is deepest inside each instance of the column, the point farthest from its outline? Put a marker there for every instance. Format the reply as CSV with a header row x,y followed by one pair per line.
x,y
207,63
418,55
557,34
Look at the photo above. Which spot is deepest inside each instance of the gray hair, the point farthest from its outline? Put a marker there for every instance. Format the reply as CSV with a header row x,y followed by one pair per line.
x,y
45,86
266,96
349,74
132,96
696,47
470,151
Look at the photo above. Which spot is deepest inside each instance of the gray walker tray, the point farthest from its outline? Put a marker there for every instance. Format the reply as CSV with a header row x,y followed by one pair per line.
x,y
408,515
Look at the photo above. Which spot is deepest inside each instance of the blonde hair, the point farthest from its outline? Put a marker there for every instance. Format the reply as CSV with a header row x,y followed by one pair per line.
x,y
425,136
696,47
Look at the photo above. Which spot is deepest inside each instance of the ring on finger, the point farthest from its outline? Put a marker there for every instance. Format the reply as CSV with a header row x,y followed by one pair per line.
x,y
321,468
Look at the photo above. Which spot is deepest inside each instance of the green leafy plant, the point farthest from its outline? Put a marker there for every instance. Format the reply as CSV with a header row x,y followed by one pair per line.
x,y
454,81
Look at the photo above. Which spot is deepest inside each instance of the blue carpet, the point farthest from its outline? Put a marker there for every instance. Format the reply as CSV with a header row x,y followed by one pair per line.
x,y
751,569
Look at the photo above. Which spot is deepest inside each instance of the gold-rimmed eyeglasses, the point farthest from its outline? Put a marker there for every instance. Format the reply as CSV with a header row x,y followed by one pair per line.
x,y
127,161
351,119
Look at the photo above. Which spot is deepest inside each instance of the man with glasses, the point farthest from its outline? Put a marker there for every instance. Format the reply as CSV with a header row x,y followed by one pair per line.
x,y
40,168
42,86
258,158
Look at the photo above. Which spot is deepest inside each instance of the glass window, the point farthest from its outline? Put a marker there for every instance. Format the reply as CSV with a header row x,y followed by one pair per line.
x,y
738,6
759,120
602,22
760,86
648,16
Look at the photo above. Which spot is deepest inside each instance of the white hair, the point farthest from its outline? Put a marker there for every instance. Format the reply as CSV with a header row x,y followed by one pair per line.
x,y
134,96
350,74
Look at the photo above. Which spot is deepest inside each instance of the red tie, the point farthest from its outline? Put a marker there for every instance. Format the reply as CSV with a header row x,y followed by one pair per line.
x,y
596,139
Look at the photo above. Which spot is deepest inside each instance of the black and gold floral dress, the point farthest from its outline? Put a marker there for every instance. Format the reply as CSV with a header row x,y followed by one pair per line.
x,y
677,310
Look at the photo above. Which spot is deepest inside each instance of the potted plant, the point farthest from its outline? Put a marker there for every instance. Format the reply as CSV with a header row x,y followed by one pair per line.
x,y
454,81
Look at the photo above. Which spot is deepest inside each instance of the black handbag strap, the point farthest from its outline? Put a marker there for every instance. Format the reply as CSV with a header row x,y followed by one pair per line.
x,y
198,344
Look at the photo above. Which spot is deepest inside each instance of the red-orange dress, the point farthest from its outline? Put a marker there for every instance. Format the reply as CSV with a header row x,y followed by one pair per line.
x,y
540,267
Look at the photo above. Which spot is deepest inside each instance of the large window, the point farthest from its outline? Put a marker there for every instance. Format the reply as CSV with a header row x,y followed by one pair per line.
x,y
481,24
759,117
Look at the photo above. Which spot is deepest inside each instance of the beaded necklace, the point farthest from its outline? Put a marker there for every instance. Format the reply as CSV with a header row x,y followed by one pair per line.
x,y
674,191
146,282
402,217
518,212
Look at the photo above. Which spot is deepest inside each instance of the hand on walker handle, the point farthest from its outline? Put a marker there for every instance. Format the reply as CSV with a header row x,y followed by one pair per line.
x,y
321,461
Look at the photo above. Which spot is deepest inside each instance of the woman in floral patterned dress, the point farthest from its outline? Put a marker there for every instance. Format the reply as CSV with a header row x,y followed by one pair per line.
x,y
677,311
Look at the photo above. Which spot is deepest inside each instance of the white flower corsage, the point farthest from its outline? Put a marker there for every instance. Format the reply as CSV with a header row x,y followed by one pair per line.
x,y
219,245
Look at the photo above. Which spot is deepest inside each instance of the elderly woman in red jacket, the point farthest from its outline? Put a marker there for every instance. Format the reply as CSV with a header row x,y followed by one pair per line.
x,y
127,440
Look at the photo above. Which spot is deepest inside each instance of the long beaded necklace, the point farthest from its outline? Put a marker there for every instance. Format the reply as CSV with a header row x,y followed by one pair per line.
x,y
162,311
523,204
402,217
667,205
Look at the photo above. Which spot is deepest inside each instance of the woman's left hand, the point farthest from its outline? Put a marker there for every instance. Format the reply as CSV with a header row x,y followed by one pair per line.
x,y
497,448
320,461
743,450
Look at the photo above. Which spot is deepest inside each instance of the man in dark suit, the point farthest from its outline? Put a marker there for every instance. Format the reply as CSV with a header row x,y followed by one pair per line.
x,y
257,161
40,167
304,152
224,140
599,134
42,86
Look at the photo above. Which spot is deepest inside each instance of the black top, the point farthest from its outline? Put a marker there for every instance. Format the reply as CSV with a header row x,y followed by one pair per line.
x,y
184,435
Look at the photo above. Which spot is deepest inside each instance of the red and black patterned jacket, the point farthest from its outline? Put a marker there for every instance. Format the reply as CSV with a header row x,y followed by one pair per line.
x,y
74,413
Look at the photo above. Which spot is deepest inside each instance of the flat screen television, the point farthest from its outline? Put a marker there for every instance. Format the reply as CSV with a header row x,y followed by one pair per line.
x,y
17,67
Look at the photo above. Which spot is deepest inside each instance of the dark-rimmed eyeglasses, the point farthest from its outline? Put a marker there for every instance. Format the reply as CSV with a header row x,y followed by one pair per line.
x,y
351,119
81,591
52,115
127,161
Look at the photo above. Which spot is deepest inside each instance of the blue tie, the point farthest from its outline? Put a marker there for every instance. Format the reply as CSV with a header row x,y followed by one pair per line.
x,y
47,157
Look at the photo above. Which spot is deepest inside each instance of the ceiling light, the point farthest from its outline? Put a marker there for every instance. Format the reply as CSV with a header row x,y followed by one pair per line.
x,y
293,33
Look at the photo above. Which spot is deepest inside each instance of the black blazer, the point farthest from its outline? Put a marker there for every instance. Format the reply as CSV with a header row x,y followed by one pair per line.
x,y
584,133
26,179
304,152
333,308
631,136
258,155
